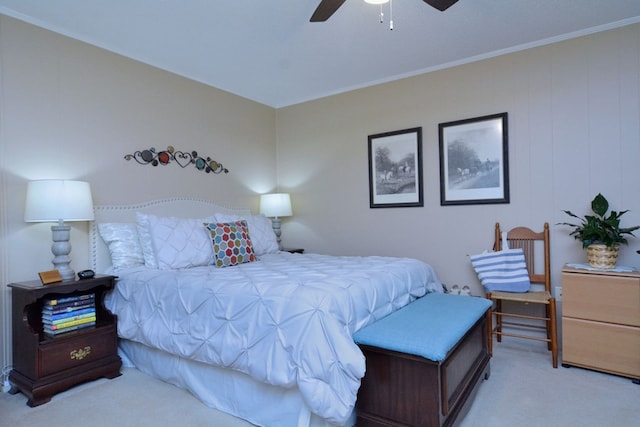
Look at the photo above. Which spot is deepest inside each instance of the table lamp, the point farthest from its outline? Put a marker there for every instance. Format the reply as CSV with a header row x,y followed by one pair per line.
x,y
276,205
59,201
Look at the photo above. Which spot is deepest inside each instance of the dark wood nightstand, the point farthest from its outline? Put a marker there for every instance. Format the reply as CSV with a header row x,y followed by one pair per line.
x,y
44,365
294,250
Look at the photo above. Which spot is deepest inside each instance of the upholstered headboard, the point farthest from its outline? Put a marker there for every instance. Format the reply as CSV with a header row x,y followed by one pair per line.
x,y
177,207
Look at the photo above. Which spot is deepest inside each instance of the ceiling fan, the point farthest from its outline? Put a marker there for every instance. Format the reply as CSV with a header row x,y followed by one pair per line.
x,y
326,8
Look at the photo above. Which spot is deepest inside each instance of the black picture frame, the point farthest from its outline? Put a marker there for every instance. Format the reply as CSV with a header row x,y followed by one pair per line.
x,y
395,169
474,161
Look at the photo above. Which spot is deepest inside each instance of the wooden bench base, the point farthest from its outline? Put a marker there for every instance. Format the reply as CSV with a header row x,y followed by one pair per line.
x,y
405,390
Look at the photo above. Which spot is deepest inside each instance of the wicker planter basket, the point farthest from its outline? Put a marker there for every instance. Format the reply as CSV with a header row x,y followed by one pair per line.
x,y
602,256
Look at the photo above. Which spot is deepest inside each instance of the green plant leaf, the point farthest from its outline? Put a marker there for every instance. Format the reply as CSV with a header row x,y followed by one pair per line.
x,y
600,228
600,205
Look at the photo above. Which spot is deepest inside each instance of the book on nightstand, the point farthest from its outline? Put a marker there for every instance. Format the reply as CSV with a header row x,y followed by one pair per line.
x,y
53,333
75,299
68,314
69,326
64,320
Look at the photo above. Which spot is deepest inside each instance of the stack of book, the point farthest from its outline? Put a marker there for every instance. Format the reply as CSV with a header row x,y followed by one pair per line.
x,y
68,314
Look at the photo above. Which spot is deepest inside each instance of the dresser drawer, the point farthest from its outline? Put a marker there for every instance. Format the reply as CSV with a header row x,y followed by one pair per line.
x,y
66,352
612,299
602,346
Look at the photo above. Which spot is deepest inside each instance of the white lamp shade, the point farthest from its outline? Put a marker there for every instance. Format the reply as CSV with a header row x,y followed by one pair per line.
x,y
275,205
376,1
56,200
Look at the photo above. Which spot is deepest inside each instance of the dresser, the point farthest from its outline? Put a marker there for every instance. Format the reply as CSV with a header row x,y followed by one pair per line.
x,y
601,321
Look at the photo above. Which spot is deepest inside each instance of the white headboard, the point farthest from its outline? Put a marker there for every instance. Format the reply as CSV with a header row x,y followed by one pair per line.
x,y
178,207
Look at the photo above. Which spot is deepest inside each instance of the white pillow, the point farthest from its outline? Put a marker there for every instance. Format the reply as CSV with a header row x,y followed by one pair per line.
x,y
123,243
179,242
260,231
145,240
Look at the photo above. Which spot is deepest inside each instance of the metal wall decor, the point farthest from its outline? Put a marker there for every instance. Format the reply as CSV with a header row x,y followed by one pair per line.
x,y
182,158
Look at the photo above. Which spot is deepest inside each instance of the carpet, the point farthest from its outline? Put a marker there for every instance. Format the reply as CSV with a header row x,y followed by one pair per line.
x,y
524,390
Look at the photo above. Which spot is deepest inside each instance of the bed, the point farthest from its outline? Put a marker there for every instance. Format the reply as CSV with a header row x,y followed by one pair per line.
x,y
267,339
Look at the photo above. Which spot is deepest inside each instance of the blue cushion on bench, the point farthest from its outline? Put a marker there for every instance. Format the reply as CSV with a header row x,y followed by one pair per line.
x,y
428,327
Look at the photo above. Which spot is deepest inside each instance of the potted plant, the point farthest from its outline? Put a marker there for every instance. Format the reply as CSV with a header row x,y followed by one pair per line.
x,y
600,234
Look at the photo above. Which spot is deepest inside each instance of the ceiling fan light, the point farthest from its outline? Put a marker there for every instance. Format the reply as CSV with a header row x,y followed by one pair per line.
x,y
376,1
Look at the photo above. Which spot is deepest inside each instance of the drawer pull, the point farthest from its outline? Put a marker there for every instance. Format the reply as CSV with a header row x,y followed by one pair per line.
x,y
81,353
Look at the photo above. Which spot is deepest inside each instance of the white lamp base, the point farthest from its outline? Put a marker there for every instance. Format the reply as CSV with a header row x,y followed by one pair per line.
x,y
275,224
61,249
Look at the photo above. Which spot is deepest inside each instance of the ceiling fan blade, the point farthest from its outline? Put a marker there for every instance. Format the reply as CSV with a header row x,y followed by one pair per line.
x,y
441,5
325,9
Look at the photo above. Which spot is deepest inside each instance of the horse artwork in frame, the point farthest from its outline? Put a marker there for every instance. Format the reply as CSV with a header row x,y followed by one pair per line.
x,y
395,169
474,161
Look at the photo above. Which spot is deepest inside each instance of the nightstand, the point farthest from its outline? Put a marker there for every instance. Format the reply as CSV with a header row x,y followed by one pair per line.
x,y
294,250
601,321
44,365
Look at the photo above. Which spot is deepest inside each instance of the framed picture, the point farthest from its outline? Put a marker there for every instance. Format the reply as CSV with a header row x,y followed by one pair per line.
x,y
474,161
395,169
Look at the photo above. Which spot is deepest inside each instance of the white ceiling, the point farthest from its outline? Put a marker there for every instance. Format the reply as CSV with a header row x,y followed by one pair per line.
x,y
268,51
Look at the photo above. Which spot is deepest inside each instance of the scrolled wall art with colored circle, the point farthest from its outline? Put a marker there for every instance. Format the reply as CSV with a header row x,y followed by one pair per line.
x,y
182,158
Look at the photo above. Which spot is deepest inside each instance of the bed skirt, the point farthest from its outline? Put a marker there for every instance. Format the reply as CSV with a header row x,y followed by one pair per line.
x,y
226,390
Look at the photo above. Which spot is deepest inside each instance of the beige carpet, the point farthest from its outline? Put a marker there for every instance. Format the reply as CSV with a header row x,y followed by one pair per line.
x,y
524,391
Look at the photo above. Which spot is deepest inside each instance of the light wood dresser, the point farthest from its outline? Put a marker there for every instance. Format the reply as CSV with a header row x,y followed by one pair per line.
x,y
601,321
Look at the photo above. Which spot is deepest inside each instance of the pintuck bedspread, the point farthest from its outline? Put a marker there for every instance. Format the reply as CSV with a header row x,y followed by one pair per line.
x,y
286,319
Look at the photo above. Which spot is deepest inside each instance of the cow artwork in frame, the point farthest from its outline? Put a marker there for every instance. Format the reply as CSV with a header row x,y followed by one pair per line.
x,y
395,169
474,161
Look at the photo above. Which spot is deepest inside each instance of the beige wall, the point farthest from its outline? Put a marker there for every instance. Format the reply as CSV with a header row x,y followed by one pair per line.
x,y
574,131
70,110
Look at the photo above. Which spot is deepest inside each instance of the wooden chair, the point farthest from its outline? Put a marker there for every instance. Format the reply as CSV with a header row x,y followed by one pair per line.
x,y
525,238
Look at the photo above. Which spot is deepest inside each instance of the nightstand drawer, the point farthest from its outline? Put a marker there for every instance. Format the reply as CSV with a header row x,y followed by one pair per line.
x,y
612,299
607,347
66,352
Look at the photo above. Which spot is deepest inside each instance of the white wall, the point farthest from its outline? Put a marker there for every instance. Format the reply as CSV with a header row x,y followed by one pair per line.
x,y
68,110
574,131
72,111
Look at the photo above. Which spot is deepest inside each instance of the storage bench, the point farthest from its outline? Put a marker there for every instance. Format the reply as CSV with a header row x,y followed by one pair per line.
x,y
424,362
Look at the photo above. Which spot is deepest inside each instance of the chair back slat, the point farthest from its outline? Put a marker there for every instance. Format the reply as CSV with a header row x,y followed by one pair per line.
x,y
529,241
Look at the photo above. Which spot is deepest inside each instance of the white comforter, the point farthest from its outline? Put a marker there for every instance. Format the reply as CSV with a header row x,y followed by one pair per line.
x,y
286,319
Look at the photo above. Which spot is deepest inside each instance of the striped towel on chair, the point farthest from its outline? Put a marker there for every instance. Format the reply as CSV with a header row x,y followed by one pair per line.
x,y
502,271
